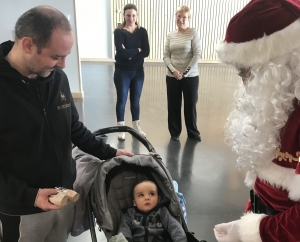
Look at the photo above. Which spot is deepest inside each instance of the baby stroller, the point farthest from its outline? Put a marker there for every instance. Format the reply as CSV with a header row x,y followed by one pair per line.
x,y
110,194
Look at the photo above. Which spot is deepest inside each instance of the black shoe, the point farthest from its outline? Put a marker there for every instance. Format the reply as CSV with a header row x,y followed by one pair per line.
x,y
175,138
196,137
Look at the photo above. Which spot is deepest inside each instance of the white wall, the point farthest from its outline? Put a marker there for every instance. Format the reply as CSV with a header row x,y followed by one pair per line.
x,y
94,28
96,18
11,10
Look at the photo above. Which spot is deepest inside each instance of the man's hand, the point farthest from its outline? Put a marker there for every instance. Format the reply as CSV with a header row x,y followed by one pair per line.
x,y
177,74
123,152
227,232
42,199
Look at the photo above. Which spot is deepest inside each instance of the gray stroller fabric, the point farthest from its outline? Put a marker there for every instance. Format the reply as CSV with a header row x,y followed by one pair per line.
x,y
109,205
86,168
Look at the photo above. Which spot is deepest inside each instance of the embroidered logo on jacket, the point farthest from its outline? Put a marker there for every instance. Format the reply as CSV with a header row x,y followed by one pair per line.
x,y
62,96
154,221
138,219
63,106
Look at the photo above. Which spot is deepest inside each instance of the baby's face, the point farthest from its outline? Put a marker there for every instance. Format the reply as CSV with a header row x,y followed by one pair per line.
x,y
145,196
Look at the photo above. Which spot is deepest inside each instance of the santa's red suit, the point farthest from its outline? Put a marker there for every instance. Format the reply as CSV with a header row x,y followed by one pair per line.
x,y
265,38
278,186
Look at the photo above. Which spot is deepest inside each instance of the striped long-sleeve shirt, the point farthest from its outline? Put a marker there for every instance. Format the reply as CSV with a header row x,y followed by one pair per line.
x,y
182,52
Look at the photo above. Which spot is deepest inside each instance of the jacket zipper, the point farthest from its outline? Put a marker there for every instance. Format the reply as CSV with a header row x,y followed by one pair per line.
x,y
145,227
51,137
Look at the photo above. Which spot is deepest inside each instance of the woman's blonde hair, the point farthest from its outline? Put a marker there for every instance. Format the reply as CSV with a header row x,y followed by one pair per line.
x,y
184,9
128,6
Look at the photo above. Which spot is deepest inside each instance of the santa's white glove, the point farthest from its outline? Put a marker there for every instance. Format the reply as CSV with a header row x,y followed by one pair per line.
x,y
227,232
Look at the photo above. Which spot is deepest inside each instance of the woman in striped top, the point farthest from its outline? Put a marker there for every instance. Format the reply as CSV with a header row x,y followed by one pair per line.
x,y
181,54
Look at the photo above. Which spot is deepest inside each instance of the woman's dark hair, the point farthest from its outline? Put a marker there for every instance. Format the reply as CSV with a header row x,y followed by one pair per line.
x,y
127,6
38,23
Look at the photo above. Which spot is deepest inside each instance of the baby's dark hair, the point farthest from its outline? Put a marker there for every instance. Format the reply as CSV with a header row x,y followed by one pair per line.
x,y
157,188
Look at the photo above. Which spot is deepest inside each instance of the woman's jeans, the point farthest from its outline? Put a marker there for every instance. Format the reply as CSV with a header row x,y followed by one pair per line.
x,y
125,81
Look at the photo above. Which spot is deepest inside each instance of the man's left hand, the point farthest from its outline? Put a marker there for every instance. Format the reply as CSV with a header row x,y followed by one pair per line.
x,y
123,152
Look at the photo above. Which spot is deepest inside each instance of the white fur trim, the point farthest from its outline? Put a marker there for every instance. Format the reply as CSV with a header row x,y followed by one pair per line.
x,y
281,177
249,227
294,189
261,50
250,179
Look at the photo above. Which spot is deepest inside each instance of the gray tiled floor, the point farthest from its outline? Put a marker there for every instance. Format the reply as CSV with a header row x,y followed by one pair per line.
x,y
206,171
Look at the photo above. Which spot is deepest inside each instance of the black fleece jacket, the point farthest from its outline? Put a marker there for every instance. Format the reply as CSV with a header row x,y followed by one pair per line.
x,y
130,59
38,124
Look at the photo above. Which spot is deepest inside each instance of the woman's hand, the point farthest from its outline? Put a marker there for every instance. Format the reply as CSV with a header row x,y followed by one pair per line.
x,y
125,48
178,75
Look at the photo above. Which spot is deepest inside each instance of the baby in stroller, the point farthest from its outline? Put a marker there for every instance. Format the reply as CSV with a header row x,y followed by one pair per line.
x,y
149,219
106,191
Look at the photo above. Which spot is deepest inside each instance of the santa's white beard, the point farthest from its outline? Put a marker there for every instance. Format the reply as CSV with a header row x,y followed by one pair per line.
x,y
262,108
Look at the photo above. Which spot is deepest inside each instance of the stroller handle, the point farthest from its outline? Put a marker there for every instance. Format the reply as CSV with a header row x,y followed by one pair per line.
x,y
124,128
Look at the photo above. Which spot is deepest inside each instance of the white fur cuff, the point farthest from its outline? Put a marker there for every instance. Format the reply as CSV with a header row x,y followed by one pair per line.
x,y
294,191
281,177
249,227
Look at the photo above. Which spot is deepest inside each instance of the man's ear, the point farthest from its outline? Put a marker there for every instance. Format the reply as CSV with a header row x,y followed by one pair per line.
x,y
27,45
134,204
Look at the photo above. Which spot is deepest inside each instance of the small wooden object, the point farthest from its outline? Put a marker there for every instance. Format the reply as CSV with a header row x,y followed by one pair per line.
x,y
72,195
63,196
59,199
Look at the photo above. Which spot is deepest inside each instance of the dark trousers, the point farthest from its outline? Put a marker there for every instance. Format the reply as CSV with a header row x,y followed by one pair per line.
x,y
125,81
189,88
10,224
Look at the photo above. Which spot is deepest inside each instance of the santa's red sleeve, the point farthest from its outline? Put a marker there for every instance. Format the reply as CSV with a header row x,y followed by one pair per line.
x,y
283,227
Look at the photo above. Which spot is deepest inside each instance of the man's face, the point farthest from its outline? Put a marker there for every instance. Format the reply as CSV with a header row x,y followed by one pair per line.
x,y
54,55
145,196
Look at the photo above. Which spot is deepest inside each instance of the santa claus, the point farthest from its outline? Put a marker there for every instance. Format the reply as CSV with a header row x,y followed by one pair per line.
x,y
263,42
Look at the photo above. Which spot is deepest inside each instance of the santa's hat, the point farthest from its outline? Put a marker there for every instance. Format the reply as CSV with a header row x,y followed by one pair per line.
x,y
262,30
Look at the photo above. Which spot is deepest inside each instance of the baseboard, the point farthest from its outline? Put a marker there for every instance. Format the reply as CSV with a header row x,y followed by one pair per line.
x,y
151,61
77,94
106,60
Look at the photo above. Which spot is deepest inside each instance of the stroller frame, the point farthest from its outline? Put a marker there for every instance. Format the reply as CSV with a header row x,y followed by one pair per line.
x,y
159,161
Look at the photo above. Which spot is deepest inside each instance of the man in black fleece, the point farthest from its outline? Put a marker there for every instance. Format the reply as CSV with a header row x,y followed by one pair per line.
x,y
39,123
